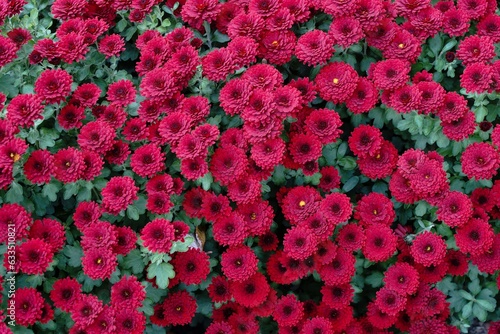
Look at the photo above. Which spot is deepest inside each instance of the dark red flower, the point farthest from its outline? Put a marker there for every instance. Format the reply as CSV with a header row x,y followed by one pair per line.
x,y
28,306
428,249
192,266
336,82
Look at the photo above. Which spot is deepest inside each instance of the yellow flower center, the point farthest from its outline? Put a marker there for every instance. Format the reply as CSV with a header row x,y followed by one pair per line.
x,y
302,204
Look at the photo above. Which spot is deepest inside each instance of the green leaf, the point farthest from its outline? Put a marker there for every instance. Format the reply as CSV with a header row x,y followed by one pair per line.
x,y
50,191
132,212
350,184
467,310
487,305
421,209
481,113
480,313
179,246
134,262
466,295
15,193
349,163
206,181
475,287
74,255
70,190
436,44
163,272
374,279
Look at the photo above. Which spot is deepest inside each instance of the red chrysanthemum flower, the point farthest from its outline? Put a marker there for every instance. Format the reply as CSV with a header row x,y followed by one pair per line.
x,y
346,31
258,216
429,179
35,255
218,327
158,235
375,208
99,235
455,22
405,99
8,51
480,161
53,86
477,78
364,97
16,215
390,301
378,319
476,49
85,310
86,95
71,116
455,209
475,237
339,270
159,83
230,230
65,293
121,92
86,213
314,47
382,164
99,263
28,306
288,310
252,292
127,293
125,240
324,124
269,153
337,296
19,36
39,166
147,160
299,243
194,12
104,323
96,136
428,249
24,109
365,140
214,207
129,322
304,148
218,64
219,289
69,165
380,244
402,278
111,45
192,266
118,194
268,241
461,128
228,164
428,325
336,207
489,26
49,230
457,263
391,74
336,82
300,203
239,263
330,179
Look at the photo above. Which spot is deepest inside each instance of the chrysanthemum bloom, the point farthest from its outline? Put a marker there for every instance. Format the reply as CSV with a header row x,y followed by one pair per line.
x,y
125,240
258,216
402,278
194,168
86,95
405,99
28,306
375,208
380,243
391,74
380,165
85,310
65,293
96,136
71,116
246,189
93,164
429,179
299,243
230,230
364,97
346,31
234,95
69,165
50,231
268,241
53,86
337,296
489,26
460,129
378,319
39,166
24,109
305,147
288,310
118,194
65,9
190,146
336,207
105,322
135,129
194,12
99,235
218,290
390,301
218,64
475,49
410,161
269,153
157,235
477,78
228,164
428,249
475,237
17,215
324,124
86,213
351,237
158,83
453,107
314,47
239,263
365,140
147,160
121,92
127,293
252,292
339,270
244,50
8,51
111,45
432,96
127,321
473,9
404,45
175,126
35,255
220,326
214,206
480,161
228,11
455,209
300,203
330,179
336,82
191,267
99,263
489,261
455,22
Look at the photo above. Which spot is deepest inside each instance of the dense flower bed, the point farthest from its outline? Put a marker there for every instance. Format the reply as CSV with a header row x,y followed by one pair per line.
x,y
291,166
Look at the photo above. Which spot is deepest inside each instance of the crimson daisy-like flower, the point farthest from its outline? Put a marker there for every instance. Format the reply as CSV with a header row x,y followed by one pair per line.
x,y
219,290
315,47
99,263
288,310
336,82
365,140
378,319
337,296
391,74
340,269
251,292
477,78
239,263
28,306
376,208
268,153
405,99
382,164
300,203
24,109
118,194
351,237
304,148
336,207
217,327
429,179
8,50
147,160
111,45
127,293
96,136
35,255
214,206
65,293
86,95
39,166
299,243
364,97
480,161
71,116
104,323
268,241
457,263
17,216
53,86
121,92
192,266
228,164
346,31
428,249
69,165
402,278
158,235
380,244
125,240
324,124
475,237
230,230
258,216
218,64
476,49
330,179
86,213
129,322
455,209
49,230
86,310
390,301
